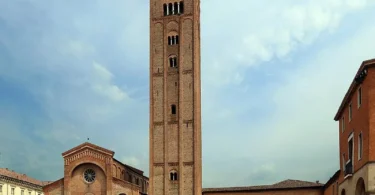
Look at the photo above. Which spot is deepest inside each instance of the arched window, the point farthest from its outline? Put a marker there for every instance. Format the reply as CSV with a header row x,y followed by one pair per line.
x,y
175,8
173,175
173,62
170,9
165,7
173,40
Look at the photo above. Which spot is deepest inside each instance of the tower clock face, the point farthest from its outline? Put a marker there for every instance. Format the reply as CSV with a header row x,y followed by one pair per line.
x,y
89,175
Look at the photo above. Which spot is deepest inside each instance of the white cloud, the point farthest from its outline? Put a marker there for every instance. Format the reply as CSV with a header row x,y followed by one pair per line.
x,y
104,85
273,31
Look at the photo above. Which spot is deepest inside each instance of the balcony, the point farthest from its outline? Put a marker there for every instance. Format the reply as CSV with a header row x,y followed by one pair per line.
x,y
349,168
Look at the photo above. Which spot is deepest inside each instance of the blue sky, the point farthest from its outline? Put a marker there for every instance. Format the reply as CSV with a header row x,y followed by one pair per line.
x,y
273,76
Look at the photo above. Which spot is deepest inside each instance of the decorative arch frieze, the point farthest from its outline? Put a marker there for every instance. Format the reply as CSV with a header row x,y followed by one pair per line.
x,y
87,153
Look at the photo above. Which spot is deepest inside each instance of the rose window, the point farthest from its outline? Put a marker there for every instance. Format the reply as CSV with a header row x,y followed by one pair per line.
x,y
89,175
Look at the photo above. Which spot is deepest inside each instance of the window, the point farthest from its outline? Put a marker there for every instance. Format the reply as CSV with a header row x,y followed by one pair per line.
x,y
22,192
173,40
333,189
170,9
165,7
343,124
173,108
175,8
1,189
350,111
12,191
181,10
350,147
360,146
337,188
359,97
173,175
173,62
29,193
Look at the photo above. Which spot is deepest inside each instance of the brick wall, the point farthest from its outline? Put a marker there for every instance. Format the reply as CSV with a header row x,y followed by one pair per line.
x,y
331,189
371,111
358,125
55,188
77,185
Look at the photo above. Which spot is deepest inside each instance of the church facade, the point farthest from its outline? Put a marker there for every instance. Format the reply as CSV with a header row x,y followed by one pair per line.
x,y
93,170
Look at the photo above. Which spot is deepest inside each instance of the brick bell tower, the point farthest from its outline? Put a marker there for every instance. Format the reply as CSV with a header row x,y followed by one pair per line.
x,y
175,98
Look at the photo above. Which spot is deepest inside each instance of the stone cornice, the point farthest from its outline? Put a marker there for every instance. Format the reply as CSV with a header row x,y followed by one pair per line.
x,y
86,152
90,146
19,182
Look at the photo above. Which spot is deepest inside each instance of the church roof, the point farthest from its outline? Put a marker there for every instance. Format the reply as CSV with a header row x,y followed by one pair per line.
x,y
22,177
283,185
130,167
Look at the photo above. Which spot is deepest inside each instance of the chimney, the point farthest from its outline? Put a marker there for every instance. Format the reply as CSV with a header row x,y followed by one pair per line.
x,y
317,181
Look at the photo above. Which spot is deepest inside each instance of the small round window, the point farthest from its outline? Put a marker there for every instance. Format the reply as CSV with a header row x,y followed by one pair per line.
x,y
89,175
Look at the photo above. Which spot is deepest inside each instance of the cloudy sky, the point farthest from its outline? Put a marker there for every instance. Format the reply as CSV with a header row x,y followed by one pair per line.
x,y
273,76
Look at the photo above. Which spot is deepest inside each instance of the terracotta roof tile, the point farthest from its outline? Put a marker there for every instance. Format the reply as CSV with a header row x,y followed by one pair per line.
x,y
22,177
286,184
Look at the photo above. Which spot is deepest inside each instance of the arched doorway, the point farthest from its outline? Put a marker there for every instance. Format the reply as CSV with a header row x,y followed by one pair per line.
x,y
343,192
360,187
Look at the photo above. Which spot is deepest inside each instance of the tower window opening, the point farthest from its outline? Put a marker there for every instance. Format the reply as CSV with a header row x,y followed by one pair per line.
x,y
173,176
165,9
170,40
175,8
170,9
174,109
181,7
173,62
173,40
